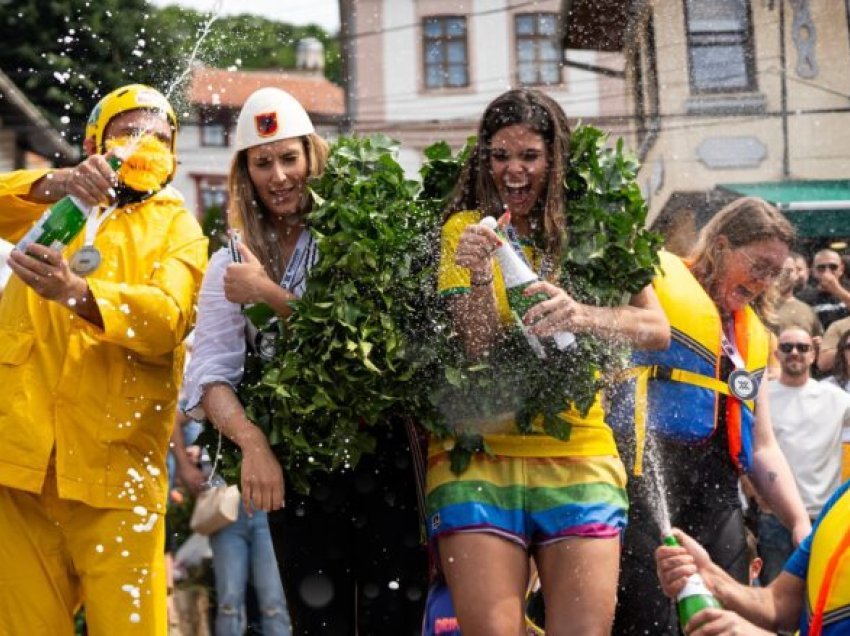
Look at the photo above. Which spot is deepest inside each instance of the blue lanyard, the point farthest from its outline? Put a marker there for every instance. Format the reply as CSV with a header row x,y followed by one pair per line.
x,y
513,238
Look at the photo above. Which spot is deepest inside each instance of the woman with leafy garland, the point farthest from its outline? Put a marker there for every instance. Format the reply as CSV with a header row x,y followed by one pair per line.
x,y
348,552
705,418
560,501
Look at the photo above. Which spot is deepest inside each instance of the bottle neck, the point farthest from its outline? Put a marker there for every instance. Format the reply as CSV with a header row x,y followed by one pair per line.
x,y
515,271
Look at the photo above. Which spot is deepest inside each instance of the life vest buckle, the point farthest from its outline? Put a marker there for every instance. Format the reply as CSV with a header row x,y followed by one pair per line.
x,y
661,372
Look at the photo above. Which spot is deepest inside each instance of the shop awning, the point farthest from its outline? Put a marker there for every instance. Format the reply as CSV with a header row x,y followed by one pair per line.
x,y
817,208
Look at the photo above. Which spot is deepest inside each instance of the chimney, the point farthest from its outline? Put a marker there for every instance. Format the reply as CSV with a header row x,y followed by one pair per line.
x,y
310,57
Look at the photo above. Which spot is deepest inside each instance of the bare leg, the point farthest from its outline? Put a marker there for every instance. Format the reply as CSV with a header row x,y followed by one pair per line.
x,y
579,579
487,576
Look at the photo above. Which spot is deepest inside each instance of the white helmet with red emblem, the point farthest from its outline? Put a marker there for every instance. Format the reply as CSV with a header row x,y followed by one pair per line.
x,y
270,114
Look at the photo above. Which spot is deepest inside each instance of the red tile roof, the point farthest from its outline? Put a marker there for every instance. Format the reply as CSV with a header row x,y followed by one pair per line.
x,y
220,87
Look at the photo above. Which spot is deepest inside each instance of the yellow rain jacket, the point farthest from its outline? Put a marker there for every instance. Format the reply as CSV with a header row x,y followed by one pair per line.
x,y
103,399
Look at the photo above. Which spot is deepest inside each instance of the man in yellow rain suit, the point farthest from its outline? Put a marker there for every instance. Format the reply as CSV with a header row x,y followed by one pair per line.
x,y
90,365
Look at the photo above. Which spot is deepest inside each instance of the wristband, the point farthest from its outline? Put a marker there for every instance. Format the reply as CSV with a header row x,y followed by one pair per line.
x,y
481,283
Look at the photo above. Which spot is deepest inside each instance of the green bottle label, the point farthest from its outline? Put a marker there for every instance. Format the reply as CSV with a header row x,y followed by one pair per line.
x,y
57,226
694,598
690,605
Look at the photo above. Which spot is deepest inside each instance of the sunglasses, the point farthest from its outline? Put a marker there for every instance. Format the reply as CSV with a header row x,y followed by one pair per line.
x,y
788,347
833,267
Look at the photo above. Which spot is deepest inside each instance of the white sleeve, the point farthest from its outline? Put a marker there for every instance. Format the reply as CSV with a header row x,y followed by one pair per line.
x,y
218,355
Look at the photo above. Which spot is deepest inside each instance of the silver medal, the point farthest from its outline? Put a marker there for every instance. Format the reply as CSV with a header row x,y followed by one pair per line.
x,y
85,260
743,385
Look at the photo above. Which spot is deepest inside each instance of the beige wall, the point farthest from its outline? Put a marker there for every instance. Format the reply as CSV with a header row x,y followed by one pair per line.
x,y
369,51
819,144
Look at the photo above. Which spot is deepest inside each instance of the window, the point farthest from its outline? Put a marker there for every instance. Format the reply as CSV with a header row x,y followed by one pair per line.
x,y
213,193
446,60
213,134
538,52
214,127
720,46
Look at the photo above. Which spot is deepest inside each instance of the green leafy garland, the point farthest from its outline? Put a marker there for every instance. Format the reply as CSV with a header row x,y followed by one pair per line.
x,y
371,339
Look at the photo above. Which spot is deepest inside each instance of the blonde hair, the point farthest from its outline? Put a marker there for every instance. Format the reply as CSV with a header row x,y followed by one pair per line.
x,y
742,222
247,213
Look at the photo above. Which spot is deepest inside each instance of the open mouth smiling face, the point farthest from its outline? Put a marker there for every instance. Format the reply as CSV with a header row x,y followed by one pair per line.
x,y
519,162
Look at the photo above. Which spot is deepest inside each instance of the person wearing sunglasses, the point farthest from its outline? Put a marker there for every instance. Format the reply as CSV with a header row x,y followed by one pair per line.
x,y
828,295
701,418
808,417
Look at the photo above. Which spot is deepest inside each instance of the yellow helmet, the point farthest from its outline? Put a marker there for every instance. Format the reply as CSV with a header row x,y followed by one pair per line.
x,y
122,100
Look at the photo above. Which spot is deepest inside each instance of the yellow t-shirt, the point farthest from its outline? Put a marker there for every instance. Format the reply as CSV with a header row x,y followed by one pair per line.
x,y
590,435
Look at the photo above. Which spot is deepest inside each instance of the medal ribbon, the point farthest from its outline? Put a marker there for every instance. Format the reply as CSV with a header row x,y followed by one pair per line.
x,y
513,239
736,351
94,220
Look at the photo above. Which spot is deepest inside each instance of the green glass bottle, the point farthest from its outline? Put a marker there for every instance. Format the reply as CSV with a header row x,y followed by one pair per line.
x,y
58,225
61,222
695,596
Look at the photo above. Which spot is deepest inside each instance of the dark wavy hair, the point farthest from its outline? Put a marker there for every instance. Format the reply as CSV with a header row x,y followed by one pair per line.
x,y
476,190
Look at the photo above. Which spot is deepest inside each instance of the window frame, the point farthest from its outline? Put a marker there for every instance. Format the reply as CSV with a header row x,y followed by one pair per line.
x,y
538,62
442,41
745,39
208,119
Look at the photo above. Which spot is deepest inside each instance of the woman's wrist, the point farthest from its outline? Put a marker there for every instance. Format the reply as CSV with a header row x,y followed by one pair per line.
x,y
481,279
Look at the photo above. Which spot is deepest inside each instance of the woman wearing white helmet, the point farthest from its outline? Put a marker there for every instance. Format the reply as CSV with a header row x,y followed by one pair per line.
x,y
315,536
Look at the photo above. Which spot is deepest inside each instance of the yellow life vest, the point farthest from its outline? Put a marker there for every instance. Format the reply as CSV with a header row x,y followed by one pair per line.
x,y
675,393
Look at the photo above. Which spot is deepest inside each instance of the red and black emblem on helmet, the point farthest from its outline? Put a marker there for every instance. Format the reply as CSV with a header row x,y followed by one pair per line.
x,y
266,124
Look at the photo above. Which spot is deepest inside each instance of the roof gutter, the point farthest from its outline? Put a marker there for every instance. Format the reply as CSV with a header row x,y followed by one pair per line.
x,y
815,205
13,94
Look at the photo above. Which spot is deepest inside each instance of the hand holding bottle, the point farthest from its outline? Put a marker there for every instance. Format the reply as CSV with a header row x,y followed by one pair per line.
x,y
715,620
47,272
91,182
475,250
557,314
675,563
246,282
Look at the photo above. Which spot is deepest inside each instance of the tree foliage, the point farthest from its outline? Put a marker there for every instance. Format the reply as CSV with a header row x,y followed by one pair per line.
x,y
65,54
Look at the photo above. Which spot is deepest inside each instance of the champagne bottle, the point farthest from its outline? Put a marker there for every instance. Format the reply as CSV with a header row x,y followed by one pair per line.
x,y
695,596
58,225
518,276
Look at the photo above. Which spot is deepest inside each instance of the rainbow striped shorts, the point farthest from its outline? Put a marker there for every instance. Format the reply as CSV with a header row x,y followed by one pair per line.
x,y
528,500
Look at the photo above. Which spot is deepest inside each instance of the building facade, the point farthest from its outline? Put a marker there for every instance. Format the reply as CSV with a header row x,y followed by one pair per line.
x,y
424,70
734,97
